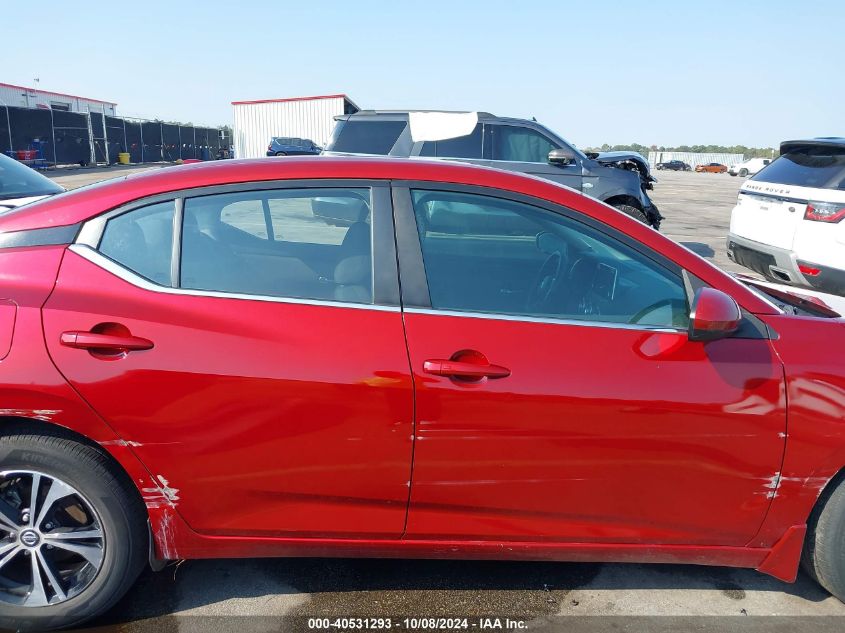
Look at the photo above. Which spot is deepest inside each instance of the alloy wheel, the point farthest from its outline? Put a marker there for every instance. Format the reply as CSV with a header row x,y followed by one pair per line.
x,y
52,543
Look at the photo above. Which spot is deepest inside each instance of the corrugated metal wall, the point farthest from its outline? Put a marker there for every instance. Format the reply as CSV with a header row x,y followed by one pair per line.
x,y
693,159
256,123
13,96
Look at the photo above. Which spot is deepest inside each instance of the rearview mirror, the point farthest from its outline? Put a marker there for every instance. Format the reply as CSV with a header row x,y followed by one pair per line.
x,y
561,157
714,315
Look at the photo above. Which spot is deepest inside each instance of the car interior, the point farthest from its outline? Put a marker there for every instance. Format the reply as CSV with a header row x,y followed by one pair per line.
x,y
273,243
503,257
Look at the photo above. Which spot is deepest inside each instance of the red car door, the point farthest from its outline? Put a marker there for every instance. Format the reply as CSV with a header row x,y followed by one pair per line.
x,y
557,395
262,376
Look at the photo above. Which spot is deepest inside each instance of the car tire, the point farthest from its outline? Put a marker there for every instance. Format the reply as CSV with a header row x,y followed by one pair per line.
x,y
281,154
824,556
743,172
110,506
633,211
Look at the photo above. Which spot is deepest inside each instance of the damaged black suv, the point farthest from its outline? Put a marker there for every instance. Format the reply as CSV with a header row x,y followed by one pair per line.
x,y
621,179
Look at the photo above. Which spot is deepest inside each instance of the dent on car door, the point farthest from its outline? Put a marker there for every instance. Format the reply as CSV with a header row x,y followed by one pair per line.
x,y
557,394
273,394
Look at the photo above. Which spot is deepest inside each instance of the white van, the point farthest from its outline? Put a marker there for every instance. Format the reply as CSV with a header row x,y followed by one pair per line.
x,y
789,220
749,167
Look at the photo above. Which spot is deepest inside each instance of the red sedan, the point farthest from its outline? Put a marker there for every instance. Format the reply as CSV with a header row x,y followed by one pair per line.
x,y
364,357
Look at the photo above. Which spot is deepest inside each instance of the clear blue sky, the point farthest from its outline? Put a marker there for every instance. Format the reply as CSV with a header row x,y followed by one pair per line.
x,y
649,71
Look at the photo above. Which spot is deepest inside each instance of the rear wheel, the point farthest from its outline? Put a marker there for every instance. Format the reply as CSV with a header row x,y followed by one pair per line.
x,y
743,172
280,154
824,555
73,537
633,211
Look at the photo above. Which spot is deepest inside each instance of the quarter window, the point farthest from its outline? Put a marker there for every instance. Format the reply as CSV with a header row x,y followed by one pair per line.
x,y
461,147
298,243
519,144
142,241
485,254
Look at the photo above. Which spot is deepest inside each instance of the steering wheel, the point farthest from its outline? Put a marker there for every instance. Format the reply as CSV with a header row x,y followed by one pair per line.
x,y
546,281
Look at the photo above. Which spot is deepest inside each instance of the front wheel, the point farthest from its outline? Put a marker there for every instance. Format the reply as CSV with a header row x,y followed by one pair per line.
x,y
633,211
743,172
73,537
824,556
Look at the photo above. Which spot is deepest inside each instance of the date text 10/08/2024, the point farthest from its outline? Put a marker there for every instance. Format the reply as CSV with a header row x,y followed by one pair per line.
x,y
415,624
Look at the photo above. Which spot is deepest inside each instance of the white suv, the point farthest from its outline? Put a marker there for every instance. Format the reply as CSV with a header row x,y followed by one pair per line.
x,y
789,220
749,167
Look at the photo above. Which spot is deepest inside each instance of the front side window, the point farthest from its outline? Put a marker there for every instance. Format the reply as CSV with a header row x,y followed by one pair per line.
x,y
490,255
519,144
296,243
142,241
468,146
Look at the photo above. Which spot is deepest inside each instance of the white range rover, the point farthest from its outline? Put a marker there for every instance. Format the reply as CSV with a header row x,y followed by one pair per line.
x,y
789,220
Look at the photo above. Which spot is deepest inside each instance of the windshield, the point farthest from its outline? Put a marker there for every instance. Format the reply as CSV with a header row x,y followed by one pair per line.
x,y
821,167
19,181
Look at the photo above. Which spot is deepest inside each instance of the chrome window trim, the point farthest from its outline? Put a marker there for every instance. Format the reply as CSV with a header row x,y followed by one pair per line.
x,y
547,320
92,255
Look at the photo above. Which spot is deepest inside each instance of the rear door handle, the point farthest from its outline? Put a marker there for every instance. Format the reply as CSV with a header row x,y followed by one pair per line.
x,y
454,368
94,340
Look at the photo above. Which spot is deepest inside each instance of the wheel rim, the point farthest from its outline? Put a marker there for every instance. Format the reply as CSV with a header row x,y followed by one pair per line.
x,y
52,543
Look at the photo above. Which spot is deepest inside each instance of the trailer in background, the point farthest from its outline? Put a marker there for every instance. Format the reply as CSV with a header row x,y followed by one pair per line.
x,y
256,122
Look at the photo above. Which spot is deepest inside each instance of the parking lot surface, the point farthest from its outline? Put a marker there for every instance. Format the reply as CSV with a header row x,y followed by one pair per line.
x,y
206,595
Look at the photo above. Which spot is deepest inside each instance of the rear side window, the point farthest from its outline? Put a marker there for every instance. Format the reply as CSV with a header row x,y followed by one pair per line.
x,y
819,167
366,137
461,147
142,241
298,243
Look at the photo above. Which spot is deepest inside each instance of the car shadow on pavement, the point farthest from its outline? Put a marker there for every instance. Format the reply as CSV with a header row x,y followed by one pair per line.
x,y
364,587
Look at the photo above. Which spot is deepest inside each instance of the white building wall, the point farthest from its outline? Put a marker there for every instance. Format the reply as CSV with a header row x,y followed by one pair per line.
x,y
692,159
20,97
255,123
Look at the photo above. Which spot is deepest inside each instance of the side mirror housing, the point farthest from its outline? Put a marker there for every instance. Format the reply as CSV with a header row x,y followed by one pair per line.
x,y
714,315
561,157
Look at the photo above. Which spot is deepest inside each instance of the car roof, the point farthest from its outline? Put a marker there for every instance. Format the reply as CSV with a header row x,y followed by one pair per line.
x,y
819,142
403,115
81,204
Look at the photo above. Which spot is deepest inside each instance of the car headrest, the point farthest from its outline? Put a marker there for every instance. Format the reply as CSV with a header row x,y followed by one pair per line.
x,y
353,271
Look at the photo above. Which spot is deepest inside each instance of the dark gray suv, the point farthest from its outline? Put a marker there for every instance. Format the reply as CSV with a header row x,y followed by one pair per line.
x,y
620,179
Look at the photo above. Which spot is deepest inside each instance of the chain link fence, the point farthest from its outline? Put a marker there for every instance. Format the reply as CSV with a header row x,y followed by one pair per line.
x,y
56,137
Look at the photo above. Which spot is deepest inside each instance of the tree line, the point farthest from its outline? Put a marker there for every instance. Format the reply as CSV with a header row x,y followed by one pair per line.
x,y
748,152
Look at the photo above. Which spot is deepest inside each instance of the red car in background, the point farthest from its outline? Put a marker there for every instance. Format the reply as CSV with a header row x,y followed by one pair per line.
x,y
197,363
712,168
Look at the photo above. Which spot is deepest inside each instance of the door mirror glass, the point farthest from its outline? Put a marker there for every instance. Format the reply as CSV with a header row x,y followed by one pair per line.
x,y
714,315
561,157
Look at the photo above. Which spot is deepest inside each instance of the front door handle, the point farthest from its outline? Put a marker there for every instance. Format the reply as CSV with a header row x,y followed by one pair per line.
x,y
111,342
458,369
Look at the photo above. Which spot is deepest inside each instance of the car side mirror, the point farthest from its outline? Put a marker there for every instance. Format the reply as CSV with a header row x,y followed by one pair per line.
x,y
714,315
561,157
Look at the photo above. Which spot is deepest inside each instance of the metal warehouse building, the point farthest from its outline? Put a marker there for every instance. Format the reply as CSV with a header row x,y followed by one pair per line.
x,y
256,122
23,97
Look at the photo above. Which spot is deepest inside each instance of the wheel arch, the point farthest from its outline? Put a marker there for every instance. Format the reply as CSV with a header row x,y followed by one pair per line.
x,y
126,465
624,199
20,424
